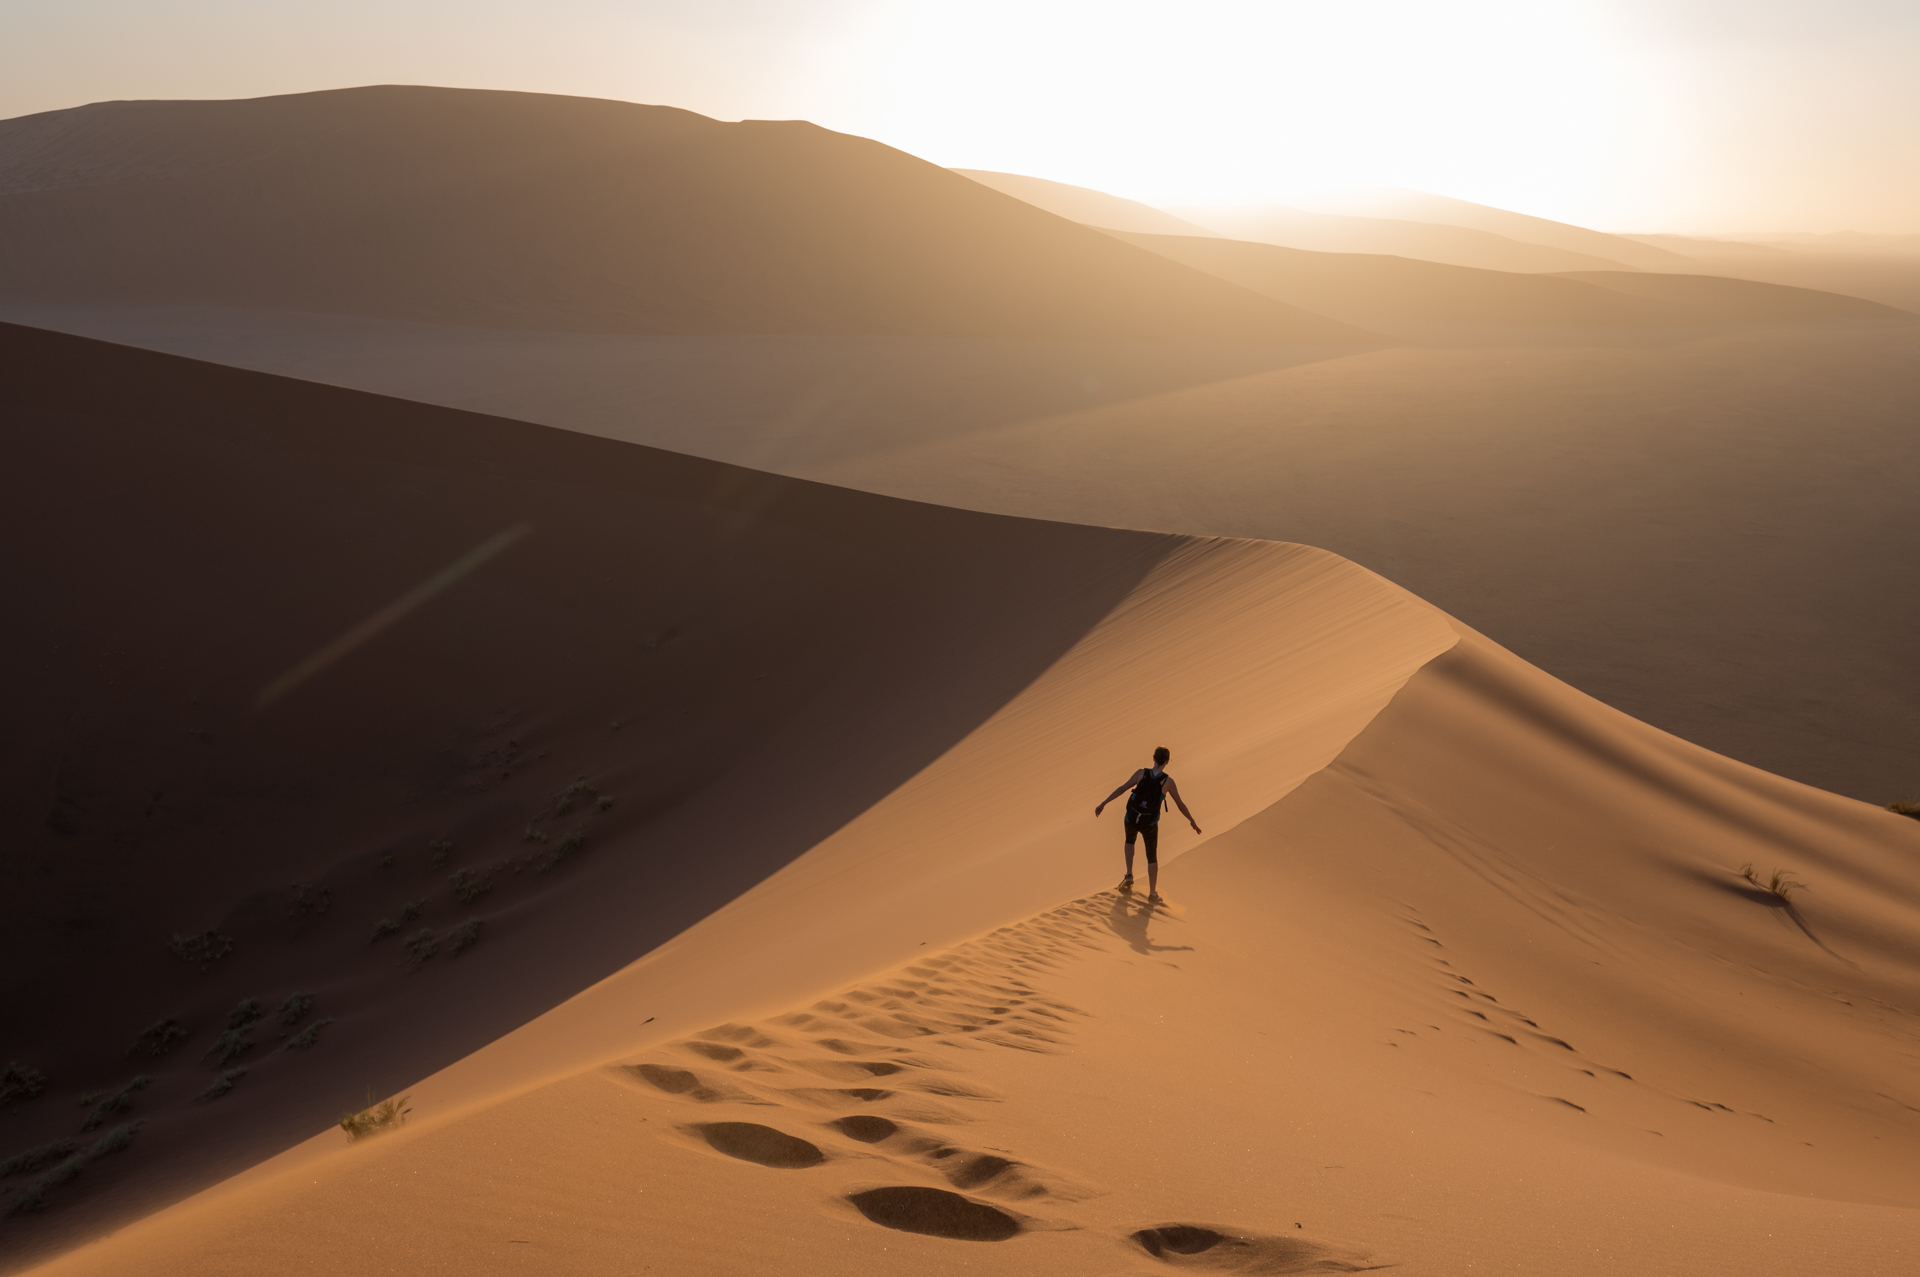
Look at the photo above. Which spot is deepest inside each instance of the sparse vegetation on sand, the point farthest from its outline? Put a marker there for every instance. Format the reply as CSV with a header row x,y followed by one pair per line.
x,y
469,886
376,1119
18,1081
296,1008
1905,809
118,1102
309,901
307,1037
234,1043
202,950
161,1038
384,927
422,945
440,849
1782,884
463,937
34,1196
223,1084
34,1158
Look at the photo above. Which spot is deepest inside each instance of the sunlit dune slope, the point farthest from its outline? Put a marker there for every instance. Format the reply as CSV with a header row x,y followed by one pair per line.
x,y
1427,241
1489,993
670,679
1085,205
1431,301
532,210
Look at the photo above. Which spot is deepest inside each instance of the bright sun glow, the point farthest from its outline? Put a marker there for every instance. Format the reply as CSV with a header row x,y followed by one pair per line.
x,y
1512,102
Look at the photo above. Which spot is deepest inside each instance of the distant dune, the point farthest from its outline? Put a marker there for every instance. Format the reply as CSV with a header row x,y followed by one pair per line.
x,y
535,211
1422,206
1085,205
1431,301
1426,241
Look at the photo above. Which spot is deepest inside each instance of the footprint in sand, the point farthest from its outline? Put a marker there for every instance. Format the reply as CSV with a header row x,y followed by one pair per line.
x,y
752,1142
936,1213
1216,1248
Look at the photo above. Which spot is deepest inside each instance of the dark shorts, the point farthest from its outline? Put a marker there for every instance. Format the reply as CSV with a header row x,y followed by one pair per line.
x,y
1148,834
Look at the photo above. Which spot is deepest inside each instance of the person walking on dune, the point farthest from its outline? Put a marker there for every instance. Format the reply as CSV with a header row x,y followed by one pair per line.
x,y
1151,786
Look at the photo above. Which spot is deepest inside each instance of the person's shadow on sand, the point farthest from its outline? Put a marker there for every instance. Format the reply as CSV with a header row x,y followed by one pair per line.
x,y
1128,919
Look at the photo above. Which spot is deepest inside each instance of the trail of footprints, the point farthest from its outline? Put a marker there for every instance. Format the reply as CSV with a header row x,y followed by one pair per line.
x,y
1481,1012
875,1075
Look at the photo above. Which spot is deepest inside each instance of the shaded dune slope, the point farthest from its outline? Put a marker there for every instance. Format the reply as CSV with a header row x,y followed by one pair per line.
x,y
532,210
1488,992
1423,300
678,678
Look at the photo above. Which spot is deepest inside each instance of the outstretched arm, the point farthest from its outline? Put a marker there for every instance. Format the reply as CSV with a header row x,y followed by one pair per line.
x,y
1131,782
1181,803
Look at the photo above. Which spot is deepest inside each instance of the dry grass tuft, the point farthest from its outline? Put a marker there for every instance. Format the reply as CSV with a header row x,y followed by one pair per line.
x,y
376,1119
1781,885
1905,809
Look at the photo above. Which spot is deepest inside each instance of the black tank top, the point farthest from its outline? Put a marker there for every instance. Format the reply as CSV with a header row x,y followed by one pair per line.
x,y
1144,807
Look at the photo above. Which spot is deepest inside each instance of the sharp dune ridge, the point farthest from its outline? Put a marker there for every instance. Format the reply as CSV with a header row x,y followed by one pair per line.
x,y
699,856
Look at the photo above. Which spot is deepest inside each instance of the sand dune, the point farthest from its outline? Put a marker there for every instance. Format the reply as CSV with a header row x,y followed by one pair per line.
x,y
1425,241
1656,521
1429,301
535,211
1084,205
1489,993
1423,206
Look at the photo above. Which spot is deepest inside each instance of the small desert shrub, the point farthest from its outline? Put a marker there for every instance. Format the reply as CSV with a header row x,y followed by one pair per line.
x,y
161,1038
202,950
18,1081
296,1008
386,860
223,1084
34,1158
422,945
1782,884
119,1102
307,1037
1905,809
247,1012
384,927
34,1196
563,802
411,910
228,1047
440,848
463,937
309,901
469,886
531,834
376,1119
605,803
571,843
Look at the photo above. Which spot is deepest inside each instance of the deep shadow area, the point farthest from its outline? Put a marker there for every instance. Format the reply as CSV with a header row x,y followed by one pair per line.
x,y
936,1213
564,696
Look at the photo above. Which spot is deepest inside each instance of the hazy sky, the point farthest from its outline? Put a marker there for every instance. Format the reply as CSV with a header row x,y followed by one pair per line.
x,y
1685,115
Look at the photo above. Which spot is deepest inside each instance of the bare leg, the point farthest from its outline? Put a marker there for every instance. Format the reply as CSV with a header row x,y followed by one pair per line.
x,y
1153,877
1129,859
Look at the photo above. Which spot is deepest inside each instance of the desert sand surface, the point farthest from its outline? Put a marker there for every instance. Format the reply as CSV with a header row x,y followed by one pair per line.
x,y
631,675
1697,530
546,212
1487,994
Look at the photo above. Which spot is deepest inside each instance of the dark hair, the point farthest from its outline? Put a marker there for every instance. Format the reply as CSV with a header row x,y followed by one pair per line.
x,y
1161,756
